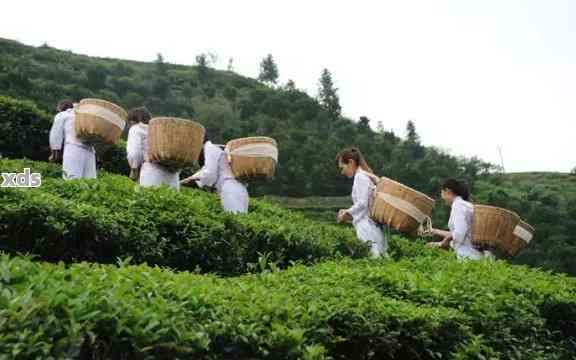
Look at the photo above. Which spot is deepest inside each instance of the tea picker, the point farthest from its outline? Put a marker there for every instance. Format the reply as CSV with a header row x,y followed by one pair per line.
x,y
352,165
77,128
240,159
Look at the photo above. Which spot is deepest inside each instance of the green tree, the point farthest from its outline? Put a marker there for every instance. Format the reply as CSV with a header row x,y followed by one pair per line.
x,y
411,134
203,68
290,85
231,94
328,95
268,70
96,77
160,65
364,124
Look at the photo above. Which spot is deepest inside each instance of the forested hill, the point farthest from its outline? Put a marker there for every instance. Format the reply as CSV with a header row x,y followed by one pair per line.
x,y
310,131
548,202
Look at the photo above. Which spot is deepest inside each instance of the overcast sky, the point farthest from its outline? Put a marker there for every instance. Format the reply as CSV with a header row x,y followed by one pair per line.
x,y
472,74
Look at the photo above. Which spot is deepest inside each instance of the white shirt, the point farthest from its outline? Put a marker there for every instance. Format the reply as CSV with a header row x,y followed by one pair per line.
x,y
362,194
63,131
460,223
216,168
137,145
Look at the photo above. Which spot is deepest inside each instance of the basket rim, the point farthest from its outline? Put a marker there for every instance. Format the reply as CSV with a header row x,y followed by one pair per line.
x,y
253,138
491,207
192,122
384,178
120,109
526,225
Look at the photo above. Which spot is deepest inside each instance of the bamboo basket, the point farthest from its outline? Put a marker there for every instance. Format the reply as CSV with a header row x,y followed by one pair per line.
x,y
400,206
253,157
99,121
173,142
521,237
493,226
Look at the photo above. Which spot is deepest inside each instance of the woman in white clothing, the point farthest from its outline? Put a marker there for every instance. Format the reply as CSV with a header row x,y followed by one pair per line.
x,y
78,158
459,238
149,173
216,172
352,164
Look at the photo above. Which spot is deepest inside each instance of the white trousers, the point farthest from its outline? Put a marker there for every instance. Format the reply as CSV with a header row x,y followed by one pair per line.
x,y
467,252
152,174
234,196
78,162
368,231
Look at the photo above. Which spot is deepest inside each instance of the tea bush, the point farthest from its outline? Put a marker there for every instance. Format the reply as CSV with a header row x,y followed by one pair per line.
x,y
425,308
99,220
25,133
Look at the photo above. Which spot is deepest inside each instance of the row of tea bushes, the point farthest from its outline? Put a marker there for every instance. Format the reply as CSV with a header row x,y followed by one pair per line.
x,y
420,308
100,220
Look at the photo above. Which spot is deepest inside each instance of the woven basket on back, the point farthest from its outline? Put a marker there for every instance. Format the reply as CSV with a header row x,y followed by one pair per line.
x,y
173,142
520,238
399,206
253,157
493,226
99,121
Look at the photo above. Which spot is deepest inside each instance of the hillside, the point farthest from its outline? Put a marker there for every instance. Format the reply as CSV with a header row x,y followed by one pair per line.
x,y
548,202
302,290
230,106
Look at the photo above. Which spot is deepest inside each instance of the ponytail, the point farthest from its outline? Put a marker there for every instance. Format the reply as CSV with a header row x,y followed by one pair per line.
x,y
353,153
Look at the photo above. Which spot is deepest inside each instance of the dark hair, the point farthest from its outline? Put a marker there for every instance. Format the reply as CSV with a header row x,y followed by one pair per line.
x,y
201,158
350,154
209,134
459,188
65,105
139,114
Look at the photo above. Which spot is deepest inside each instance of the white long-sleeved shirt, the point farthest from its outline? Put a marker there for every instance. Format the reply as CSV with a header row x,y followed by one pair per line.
x,y
216,168
460,223
362,192
137,145
63,130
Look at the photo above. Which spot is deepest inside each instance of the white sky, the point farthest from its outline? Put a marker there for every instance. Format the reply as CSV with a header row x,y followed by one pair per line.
x,y
472,74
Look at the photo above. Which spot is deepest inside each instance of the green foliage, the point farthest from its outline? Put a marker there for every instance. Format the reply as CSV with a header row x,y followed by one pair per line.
x,y
327,94
419,308
99,220
309,132
268,70
26,130
411,134
548,203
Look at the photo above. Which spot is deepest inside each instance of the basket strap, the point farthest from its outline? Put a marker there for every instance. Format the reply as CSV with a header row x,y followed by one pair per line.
x,y
404,206
523,233
255,150
103,113
425,229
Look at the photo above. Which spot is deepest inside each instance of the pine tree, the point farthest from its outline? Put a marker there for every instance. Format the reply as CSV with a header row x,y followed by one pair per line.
x,y
203,68
290,85
327,95
160,65
268,70
411,134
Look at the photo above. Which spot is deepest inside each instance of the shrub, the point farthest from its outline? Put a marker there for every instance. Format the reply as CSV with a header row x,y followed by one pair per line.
x,y
99,220
334,310
25,134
